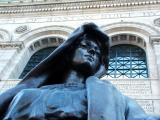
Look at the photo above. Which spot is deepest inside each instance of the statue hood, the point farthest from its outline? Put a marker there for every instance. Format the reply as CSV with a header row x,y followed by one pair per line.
x,y
46,71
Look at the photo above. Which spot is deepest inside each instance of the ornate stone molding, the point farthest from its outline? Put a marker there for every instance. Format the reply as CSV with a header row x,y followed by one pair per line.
x,y
51,6
46,42
128,39
155,40
9,45
4,35
39,1
43,32
157,22
50,17
21,29
137,27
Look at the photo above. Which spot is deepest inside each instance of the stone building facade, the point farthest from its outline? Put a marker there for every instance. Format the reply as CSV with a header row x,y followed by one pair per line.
x,y
27,26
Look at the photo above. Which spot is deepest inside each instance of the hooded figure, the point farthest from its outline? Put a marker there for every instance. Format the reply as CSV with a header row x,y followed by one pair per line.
x,y
66,85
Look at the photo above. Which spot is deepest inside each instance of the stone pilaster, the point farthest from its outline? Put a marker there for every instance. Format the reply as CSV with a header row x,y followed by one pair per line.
x,y
8,52
155,41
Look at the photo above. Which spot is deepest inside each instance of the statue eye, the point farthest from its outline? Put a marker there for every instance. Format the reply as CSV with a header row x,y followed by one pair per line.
x,y
83,45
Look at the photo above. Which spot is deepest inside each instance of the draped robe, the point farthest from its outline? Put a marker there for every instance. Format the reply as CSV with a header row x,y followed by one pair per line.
x,y
104,102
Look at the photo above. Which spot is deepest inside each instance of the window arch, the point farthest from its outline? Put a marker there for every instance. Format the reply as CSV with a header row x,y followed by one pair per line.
x,y
127,61
36,58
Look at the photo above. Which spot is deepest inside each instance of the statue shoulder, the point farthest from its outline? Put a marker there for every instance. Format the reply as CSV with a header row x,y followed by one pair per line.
x,y
103,84
95,80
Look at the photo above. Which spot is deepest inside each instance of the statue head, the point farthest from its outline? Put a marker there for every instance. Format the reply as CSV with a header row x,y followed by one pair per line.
x,y
86,49
86,58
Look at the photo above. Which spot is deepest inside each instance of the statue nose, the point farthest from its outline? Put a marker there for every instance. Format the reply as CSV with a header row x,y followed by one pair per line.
x,y
91,51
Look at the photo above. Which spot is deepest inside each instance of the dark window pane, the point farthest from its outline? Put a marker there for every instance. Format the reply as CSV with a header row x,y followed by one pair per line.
x,y
127,61
36,58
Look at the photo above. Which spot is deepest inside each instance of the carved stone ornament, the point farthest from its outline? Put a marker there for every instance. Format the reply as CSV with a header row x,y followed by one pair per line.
x,y
21,29
155,40
157,22
51,5
6,45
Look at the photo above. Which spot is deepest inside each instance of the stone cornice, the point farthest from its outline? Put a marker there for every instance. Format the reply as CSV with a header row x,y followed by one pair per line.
x,y
23,2
50,6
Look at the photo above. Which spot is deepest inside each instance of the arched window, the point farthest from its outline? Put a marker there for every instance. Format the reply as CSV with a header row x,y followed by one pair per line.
x,y
127,61
35,59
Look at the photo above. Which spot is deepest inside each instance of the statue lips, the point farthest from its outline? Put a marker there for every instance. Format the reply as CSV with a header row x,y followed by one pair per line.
x,y
89,57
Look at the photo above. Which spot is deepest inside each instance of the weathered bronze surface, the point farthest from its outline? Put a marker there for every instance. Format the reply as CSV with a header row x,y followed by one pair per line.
x,y
66,85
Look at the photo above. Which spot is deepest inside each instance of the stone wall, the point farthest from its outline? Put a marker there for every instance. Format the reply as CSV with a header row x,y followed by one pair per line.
x,y
145,91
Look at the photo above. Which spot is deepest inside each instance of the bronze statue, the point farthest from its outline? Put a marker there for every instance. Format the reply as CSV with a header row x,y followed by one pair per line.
x,y
66,85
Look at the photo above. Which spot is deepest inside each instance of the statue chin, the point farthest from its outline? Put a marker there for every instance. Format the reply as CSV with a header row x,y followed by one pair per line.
x,y
86,69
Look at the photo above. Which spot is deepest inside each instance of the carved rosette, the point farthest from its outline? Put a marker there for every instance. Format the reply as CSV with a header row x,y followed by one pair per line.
x,y
21,29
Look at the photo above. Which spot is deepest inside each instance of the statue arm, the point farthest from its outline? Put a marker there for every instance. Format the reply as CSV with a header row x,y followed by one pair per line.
x,y
135,112
6,98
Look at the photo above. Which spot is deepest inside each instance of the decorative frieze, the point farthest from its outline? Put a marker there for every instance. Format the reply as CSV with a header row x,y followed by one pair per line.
x,y
39,1
64,6
62,18
9,45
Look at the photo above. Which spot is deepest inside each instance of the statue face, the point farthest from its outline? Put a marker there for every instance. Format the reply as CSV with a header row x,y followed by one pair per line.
x,y
86,57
